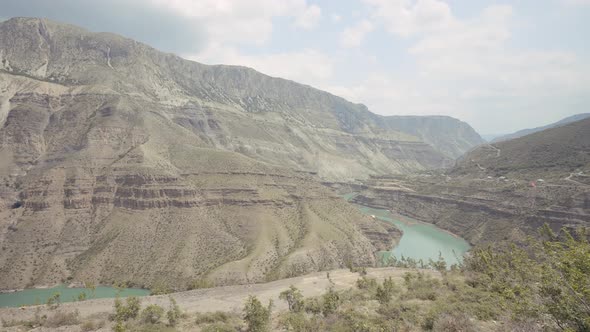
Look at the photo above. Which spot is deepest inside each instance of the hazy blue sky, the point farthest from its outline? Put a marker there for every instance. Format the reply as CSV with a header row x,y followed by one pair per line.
x,y
499,65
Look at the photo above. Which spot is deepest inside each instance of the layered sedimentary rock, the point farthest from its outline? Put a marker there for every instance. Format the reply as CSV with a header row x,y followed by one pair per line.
x,y
119,163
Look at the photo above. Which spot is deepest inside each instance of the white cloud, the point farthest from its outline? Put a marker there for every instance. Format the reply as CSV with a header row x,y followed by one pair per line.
x,y
466,67
353,36
242,22
309,18
406,17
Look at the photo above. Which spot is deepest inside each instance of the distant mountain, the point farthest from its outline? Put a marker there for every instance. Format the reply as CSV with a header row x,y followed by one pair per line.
x,y
490,137
448,135
555,151
499,191
524,132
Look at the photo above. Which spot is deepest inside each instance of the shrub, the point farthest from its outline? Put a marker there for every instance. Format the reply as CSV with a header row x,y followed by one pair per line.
x,y
421,286
330,302
256,315
130,310
453,323
173,312
294,299
313,306
212,317
91,325
219,327
297,322
119,327
61,318
159,288
385,292
54,300
82,296
152,314
366,283
200,283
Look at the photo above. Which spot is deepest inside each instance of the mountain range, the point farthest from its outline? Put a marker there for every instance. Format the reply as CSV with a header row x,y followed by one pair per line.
x,y
120,163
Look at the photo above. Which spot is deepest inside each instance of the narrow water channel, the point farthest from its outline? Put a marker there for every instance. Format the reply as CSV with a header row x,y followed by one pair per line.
x,y
420,240
40,295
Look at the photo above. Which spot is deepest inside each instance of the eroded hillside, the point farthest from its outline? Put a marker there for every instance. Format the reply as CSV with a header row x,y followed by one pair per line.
x,y
123,164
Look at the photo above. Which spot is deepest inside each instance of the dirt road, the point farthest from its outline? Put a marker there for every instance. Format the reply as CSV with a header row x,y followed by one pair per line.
x,y
228,298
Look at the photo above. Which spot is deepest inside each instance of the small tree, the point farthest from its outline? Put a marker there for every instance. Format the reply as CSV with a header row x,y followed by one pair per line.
x,y
440,264
331,302
294,299
257,316
385,291
174,312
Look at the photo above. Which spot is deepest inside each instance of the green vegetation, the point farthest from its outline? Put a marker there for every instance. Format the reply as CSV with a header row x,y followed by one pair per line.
x,y
57,319
159,288
544,285
129,311
82,296
200,283
257,317
294,299
54,301
129,316
174,313
218,321
152,314
549,278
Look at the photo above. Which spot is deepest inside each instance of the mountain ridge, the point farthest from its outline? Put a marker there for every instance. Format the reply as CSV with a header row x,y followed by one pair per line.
x,y
524,132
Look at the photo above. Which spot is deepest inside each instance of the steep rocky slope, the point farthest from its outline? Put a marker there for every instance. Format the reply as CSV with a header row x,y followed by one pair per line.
x,y
525,132
448,135
501,191
231,108
119,163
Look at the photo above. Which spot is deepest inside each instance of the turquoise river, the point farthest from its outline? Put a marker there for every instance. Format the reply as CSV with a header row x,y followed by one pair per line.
x,y
40,295
420,240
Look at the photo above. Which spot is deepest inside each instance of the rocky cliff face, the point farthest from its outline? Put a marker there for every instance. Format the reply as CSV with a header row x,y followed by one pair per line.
x,y
119,163
230,108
